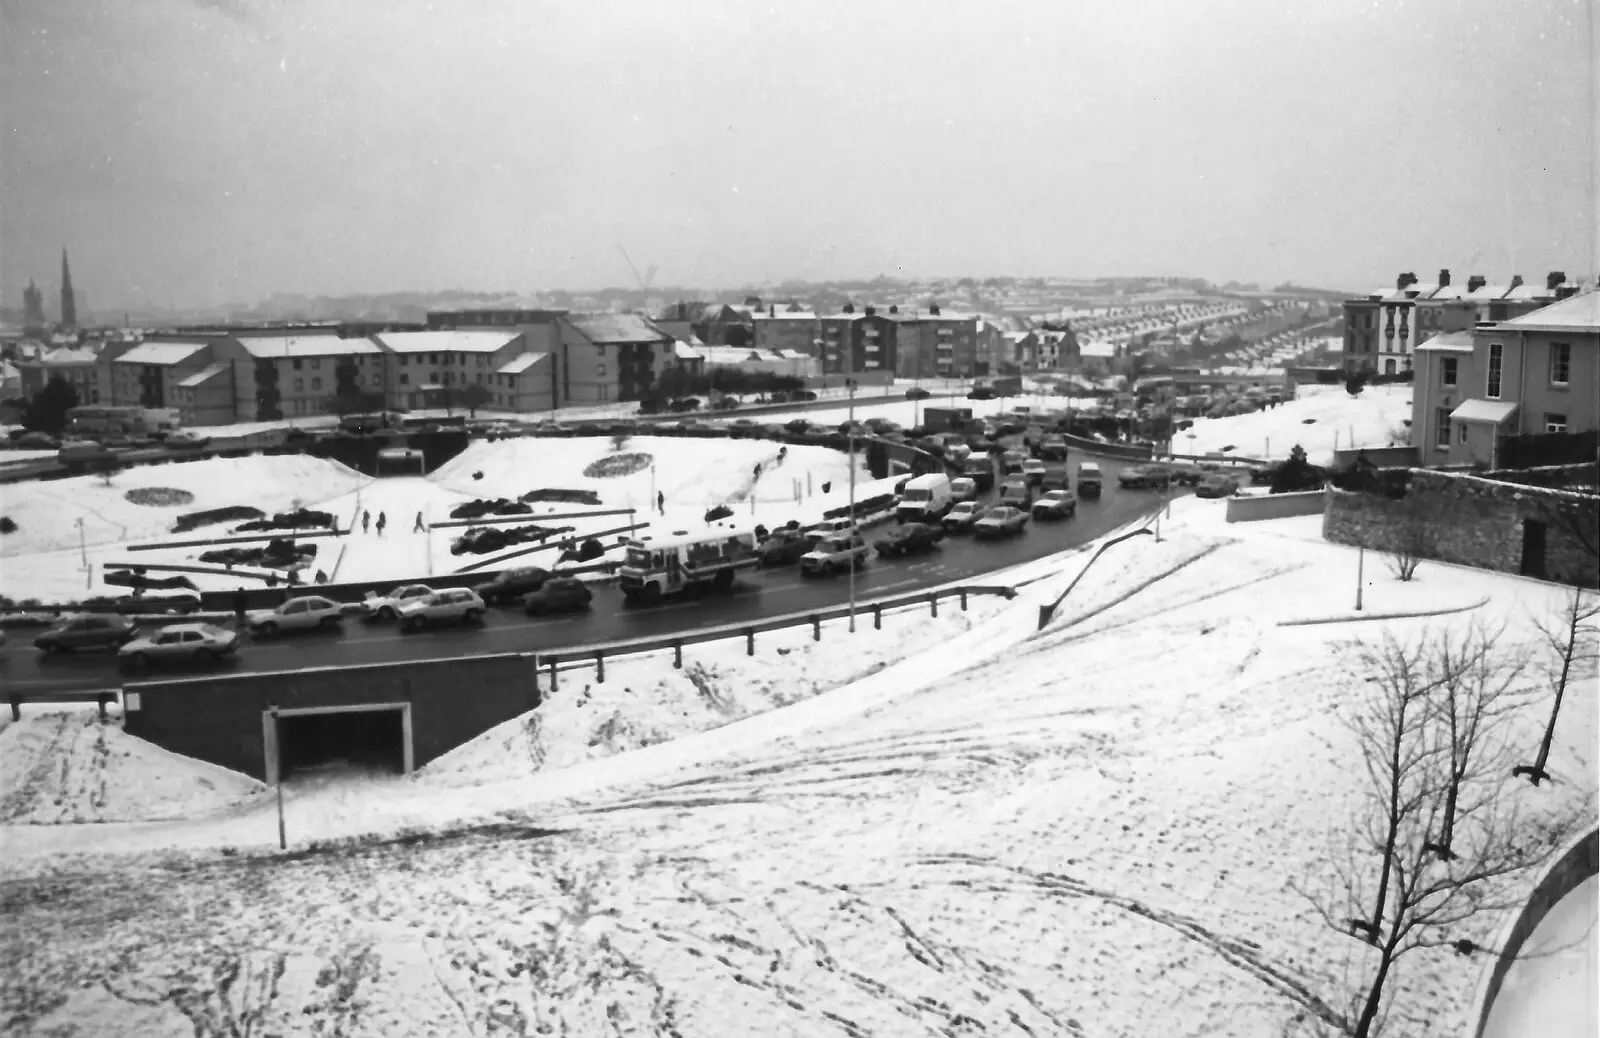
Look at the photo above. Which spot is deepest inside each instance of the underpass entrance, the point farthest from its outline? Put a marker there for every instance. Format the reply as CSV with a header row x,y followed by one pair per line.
x,y
370,737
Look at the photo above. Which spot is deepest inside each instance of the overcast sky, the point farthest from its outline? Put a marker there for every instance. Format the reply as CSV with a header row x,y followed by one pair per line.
x,y
203,151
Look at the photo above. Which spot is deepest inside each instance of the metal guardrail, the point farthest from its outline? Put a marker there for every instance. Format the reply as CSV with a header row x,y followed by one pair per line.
x,y
1048,610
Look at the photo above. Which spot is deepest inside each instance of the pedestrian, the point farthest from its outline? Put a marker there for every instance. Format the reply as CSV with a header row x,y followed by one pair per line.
x,y
417,526
322,578
383,520
366,521
240,599
661,502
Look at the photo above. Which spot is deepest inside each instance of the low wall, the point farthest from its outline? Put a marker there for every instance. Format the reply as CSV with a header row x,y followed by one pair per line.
x,y
1275,506
218,719
1380,457
1470,521
1578,862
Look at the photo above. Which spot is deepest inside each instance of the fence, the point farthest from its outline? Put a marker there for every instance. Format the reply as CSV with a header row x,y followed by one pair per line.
x,y
1048,610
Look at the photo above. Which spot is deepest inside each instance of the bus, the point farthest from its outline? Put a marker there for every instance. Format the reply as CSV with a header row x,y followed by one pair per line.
x,y
101,422
681,560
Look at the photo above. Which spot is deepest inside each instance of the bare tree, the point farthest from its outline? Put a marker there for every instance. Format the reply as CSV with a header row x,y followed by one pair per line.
x,y
1408,539
1572,651
1420,781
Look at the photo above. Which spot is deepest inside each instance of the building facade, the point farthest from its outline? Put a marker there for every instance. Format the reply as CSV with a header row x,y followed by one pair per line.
x,y
296,376
429,369
778,330
190,375
1529,375
857,342
86,370
933,343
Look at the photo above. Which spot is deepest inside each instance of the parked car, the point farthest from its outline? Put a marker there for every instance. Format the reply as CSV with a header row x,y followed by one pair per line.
x,y
191,643
1055,504
1003,521
910,539
186,439
1217,485
306,613
510,585
963,489
961,518
834,554
558,595
784,547
36,441
917,393
802,395
456,605
386,607
87,631
981,393
1034,470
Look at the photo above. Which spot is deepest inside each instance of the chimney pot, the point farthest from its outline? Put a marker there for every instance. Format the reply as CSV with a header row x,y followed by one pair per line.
x,y
933,309
1475,282
1516,281
849,308
1555,279
1444,277
870,310
894,308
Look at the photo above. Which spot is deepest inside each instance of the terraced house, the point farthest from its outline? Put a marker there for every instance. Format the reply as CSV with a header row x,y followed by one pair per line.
x,y
862,344
192,375
935,343
427,368
1530,375
612,356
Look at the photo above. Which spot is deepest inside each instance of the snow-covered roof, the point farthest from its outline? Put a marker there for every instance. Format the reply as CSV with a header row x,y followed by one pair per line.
x,y
1449,342
65,355
202,376
455,340
1492,411
613,328
517,365
268,346
687,351
1579,313
162,353
1097,349
787,315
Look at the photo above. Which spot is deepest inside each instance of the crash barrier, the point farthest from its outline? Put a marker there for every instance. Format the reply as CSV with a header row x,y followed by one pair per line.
x,y
1379,457
583,657
1125,451
1048,610
1569,869
1276,506
1215,459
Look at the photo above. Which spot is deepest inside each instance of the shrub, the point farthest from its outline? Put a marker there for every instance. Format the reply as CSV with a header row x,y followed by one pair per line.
x,y
557,495
719,512
7,524
1296,474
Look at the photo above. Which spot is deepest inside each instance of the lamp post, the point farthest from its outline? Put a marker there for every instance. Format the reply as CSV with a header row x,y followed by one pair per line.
x,y
277,737
851,384
83,554
1361,564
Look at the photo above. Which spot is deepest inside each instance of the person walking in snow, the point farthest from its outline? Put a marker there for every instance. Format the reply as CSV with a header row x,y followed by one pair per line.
x,y
366,521
383,520
417,526
661,502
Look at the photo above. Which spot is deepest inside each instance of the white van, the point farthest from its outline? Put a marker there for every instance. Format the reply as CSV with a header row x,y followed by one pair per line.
x,y
1088,479
816,532
925,499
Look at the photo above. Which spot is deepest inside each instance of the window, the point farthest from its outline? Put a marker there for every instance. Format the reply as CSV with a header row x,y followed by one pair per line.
x,y
296,363
316,383
1555,423
600,370
1461,434
1388,369
1448,369
404,360
316,364
299,385
1560,363
433,358
1491,387
1441,433
405,378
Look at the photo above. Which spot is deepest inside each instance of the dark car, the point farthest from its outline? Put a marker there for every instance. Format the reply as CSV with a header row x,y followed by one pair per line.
x,y
1217,485
980,469
910,539
917,393
1053,447
1144,476
88,631
784,548
512,584
802,395
981,393
558,595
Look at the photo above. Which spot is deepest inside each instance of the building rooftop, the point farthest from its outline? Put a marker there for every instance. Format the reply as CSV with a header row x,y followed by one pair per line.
x,y
1580,313
269,346
616,328
782,315
517,365
67,355
1492,411
202,376
456,340
1449,342
162,353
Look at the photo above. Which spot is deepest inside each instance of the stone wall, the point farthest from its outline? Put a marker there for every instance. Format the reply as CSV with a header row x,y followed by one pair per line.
x,y
1469,520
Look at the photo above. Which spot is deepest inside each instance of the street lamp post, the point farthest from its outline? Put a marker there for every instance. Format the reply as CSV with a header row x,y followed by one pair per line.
x,y
1361,563
851,384
83,554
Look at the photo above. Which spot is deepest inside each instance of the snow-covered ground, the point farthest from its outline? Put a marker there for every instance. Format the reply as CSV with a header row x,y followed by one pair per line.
x,y
1092,830
908,413
43,559
1320,419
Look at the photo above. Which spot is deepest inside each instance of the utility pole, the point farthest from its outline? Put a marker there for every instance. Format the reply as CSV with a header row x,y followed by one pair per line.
x,y
851,383
1361,564
83,554
277,738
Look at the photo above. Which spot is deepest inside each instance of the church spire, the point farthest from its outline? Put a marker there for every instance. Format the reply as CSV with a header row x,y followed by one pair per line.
x,y
69,304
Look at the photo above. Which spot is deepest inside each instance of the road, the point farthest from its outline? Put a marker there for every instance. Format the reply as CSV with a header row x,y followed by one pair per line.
x,y
758,594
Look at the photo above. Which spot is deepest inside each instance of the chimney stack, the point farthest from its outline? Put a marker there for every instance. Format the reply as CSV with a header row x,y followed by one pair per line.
x,y
1475,282
933,309
1554,280
772,311
1444,277
754,302
1405,281
849,308
871,310
1516,281
894,308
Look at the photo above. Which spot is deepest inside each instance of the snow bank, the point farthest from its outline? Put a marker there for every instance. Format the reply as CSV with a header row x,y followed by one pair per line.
x,y
63,765
1317,421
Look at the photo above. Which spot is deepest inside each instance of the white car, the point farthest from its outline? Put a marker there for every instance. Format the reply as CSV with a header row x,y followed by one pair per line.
x,y
200,643
387,607
181,438
298,614
459,605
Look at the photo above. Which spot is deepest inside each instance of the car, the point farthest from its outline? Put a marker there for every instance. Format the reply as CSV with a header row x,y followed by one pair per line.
x,y
961,518
833,554
1016,493
1002,521
186,439
1089,479
386,606
917,393
784,547
1217,485
1053,447
910,539
512,584
981,393
36,441
963,489
1186,474
882,426
456,605
726,403
1012,462
192,643
1034,470
1140,477
828,528
802,395
87,631
307,613
558,595
1055,504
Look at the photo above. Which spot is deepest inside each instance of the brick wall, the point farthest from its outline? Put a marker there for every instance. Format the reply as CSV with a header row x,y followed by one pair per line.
x,y
1468,520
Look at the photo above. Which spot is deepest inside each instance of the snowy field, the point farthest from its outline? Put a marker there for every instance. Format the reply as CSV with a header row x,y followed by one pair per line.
x,y
43,559
1093,830
1321,419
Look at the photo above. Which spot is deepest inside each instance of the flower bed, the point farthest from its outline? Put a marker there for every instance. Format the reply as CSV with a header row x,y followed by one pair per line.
x,y
559,496
159,497
484,540
613,466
